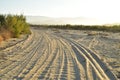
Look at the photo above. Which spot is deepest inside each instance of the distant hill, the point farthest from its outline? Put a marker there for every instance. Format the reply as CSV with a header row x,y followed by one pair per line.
x,y
63,20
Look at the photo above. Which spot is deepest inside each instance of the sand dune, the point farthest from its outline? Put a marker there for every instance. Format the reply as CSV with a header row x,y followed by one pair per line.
x,y
51,55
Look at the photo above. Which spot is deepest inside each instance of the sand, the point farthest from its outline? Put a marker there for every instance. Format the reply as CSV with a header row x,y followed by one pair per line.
x,y
54,54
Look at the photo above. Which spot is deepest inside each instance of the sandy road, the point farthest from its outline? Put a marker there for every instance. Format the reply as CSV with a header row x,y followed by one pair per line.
x,y
46,56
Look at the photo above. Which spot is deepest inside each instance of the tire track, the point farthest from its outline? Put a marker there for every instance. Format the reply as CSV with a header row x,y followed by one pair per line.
x,y
78,68
32,62
41,71
13,49
10,69
99,67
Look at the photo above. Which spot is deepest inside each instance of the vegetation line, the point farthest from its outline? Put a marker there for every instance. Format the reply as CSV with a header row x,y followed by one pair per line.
x,y
113,28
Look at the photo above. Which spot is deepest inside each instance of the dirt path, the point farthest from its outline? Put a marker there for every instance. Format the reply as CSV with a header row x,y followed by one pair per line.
x,y
51,57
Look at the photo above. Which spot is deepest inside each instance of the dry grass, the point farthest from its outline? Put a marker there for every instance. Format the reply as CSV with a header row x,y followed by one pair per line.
x,y
4,35
1,38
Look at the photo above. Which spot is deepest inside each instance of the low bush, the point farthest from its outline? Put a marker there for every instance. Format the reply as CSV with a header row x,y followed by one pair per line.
x,y
13,26
17,25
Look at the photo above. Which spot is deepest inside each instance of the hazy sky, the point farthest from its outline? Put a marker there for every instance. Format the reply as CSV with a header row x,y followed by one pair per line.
x,y
100,9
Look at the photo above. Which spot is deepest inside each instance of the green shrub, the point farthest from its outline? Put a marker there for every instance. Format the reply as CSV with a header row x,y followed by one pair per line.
x,y
16,24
